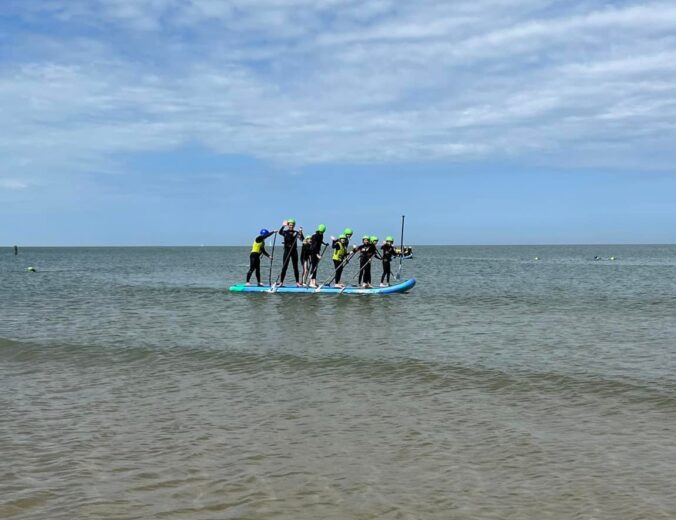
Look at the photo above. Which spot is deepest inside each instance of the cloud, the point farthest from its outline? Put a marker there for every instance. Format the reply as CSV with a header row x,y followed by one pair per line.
x,y
12,184
301,82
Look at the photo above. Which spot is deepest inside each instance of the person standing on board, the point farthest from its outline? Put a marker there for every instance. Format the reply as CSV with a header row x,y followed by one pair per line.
x,y
371,251
305,258
339,254
291,236
388,252
315,253
258,249
363,255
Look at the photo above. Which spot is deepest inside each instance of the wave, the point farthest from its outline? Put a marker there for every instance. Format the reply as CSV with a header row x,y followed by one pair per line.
x,y
408,372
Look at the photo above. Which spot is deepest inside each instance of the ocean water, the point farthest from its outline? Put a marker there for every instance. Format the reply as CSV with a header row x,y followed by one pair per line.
x,y
133,385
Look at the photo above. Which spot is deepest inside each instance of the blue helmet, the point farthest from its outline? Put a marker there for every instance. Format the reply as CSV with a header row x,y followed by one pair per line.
x,y
264,232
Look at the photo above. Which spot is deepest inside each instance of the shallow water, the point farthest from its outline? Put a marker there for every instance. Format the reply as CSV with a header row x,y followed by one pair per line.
x,y
133,385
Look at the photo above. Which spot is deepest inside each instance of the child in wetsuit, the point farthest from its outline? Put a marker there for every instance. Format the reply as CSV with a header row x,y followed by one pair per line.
x,y
257,249
388,252
339,255
290,235
305,258
367,250
363,255
315,253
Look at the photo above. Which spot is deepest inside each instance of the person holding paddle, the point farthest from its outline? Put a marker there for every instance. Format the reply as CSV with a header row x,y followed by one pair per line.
x,y
305,258
316,253
291,236
388,252
258,249
368,251
339,254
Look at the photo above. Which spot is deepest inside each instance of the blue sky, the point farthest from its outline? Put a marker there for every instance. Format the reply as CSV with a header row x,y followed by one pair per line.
x,y
162,122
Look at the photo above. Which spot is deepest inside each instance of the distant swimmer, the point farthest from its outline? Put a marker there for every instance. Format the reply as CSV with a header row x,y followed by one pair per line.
x,y
16,250
597,258
31,269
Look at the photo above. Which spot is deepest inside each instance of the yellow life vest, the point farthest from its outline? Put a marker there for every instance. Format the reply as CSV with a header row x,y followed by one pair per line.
x,y
339,254
257,247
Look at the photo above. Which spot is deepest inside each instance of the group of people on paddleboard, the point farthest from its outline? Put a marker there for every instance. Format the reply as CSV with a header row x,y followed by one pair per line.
x,y
313,248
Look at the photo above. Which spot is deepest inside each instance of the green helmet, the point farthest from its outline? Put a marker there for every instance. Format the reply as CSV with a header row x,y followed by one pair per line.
x,y
321,228
291,221
308,237
366,237
374,239
389,239
348,231
341,236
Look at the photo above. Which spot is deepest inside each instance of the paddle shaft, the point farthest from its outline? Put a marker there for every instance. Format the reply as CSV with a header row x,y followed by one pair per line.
x,y
272,258
401,250
313,274
360,270
285,260
335,271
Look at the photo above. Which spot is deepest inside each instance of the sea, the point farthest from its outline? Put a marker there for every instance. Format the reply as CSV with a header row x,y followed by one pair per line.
x,y
512,382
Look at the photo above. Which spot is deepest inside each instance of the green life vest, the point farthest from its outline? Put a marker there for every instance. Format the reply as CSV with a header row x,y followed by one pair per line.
x,y
339,254
257,247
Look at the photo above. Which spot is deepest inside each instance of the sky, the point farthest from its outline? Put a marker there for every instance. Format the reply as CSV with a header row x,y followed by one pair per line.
x,y
187,122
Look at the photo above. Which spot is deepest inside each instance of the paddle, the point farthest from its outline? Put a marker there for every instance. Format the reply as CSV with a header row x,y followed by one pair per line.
x,y
357,273
286,258
272,258
285,261
335,271
321,255
401,250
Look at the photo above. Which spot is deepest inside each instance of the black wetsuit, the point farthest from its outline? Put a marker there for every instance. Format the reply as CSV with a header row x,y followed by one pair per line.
x,y
315,251
387,255
305,252
290,251
305,259
255,259
368,251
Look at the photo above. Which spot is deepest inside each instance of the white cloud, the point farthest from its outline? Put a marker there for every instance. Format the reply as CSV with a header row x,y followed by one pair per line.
x,y
12,184
306,81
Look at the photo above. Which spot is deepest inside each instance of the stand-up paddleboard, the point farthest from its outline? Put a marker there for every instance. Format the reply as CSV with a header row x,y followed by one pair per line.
x,y
398,288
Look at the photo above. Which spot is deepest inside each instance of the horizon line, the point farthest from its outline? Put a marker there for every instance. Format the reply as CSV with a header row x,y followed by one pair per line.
x,y
198,246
